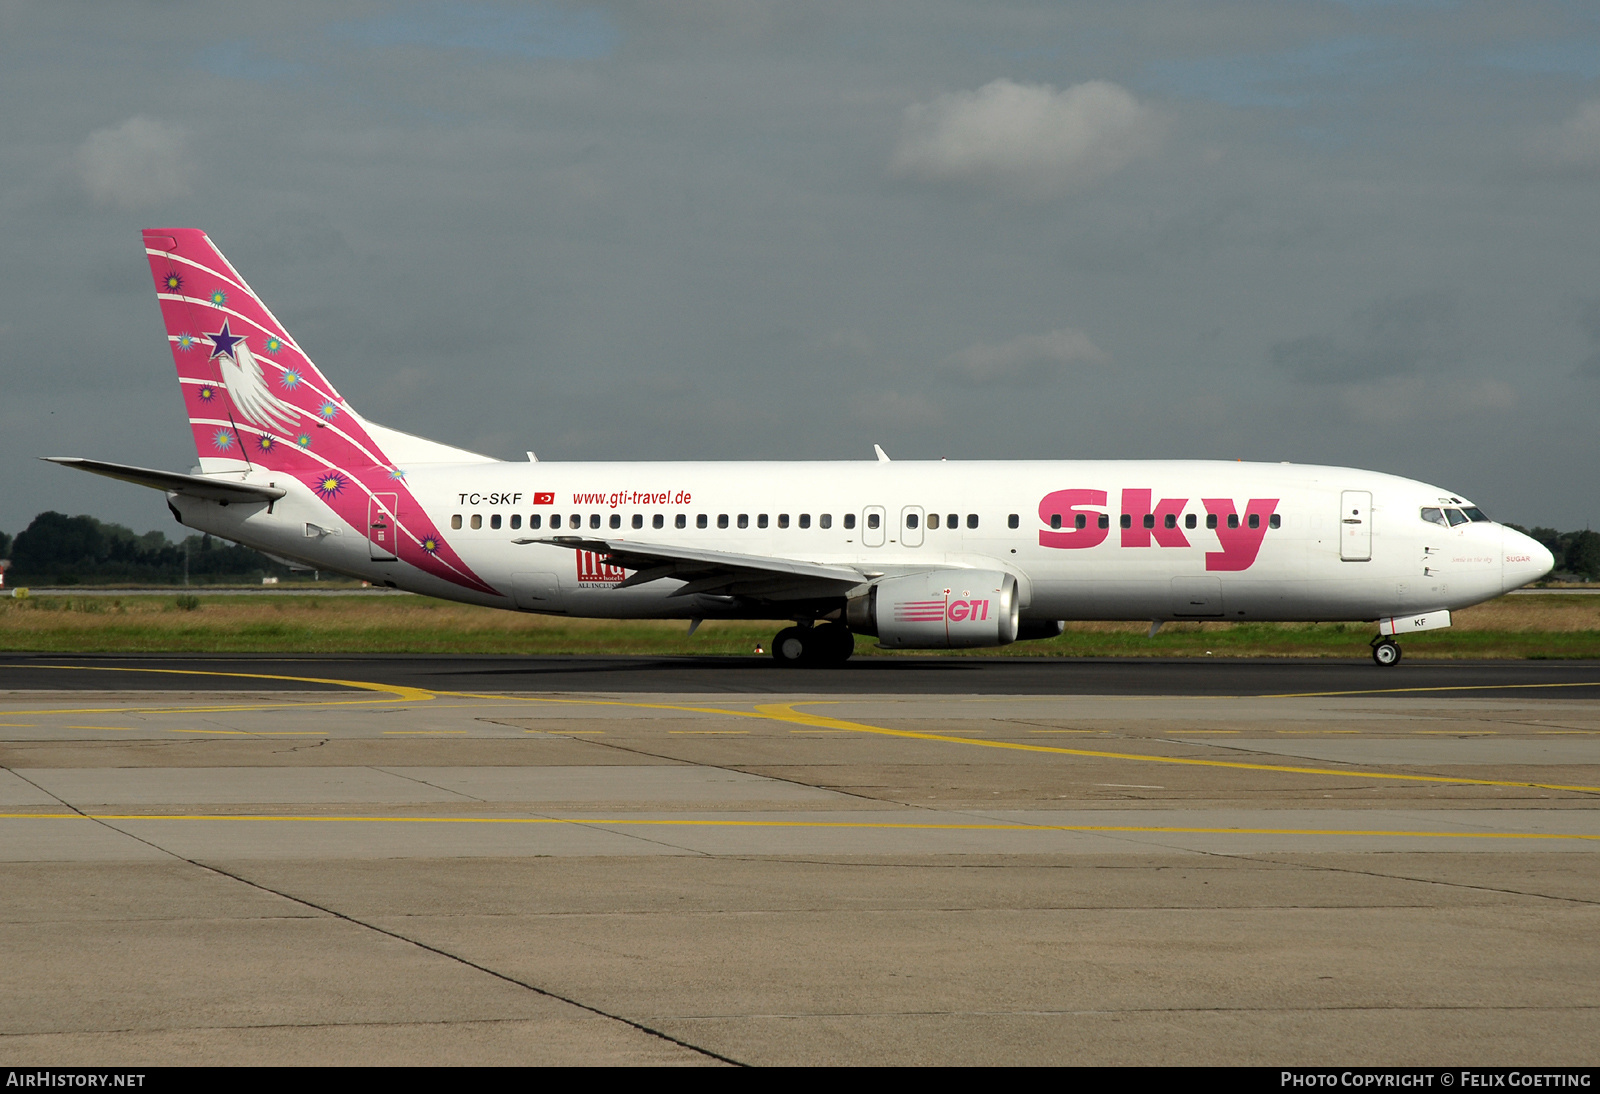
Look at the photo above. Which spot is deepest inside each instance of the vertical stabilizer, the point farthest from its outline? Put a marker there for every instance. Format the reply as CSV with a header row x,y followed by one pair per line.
x,y
257,402
254,398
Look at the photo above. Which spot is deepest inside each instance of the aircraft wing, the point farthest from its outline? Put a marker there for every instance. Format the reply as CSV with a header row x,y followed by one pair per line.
x,y
717,573
194,486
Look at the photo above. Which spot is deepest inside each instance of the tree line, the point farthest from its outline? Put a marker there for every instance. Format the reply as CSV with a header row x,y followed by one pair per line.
x,y
56,549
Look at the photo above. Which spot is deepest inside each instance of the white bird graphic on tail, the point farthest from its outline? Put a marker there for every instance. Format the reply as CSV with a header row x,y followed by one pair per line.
x,y
242,376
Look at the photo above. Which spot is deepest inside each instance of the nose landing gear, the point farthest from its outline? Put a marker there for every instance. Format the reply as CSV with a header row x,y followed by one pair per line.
x,y
829,644
1385,650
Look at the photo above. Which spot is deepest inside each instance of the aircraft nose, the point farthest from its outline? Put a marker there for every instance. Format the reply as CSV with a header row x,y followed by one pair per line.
x,y
1523,559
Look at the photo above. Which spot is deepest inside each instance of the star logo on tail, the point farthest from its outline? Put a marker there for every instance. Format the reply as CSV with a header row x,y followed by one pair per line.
x,y
246,383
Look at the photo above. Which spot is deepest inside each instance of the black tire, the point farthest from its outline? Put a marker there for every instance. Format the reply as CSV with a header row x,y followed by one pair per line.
x,y
833,644
792,646
1386,653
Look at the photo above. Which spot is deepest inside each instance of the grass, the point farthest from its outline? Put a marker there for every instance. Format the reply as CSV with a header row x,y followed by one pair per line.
x,y
1511,627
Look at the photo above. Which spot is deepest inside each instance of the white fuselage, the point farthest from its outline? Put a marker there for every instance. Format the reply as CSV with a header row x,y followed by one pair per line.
x,y
1307,558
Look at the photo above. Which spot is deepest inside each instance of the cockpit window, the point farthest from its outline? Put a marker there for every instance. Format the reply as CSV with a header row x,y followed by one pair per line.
x,y
1433,516
1475,514
1455,517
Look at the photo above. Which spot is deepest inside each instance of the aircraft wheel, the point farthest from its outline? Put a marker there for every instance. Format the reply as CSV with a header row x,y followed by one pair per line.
x,y
791,646
834,644
1387,652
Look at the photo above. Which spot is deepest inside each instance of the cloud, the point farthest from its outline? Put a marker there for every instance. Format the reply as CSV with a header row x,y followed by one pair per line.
x,y
533,31
1030,140
1575,143
241,59
896,409
138,164
1030,360
1386,338
1587,314
1402,400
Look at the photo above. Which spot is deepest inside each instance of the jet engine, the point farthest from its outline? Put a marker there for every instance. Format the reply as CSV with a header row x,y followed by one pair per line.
x,y
942,609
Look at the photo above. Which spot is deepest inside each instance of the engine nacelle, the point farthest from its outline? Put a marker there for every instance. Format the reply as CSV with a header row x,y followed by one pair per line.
x,y
944,609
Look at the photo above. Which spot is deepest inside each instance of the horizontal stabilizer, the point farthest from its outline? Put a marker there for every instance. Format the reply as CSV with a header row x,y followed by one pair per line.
x,y
722,573
194,486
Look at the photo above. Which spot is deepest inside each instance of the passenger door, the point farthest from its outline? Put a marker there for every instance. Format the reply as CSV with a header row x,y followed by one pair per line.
x,y
1355,526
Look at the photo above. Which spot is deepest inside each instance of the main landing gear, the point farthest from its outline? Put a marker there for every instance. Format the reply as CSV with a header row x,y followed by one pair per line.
x,y
1385,650
829,644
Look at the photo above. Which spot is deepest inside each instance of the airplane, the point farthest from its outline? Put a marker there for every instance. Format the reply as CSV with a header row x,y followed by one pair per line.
x,y
917,554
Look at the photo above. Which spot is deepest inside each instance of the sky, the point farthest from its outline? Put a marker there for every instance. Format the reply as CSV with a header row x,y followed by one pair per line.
x,y
1348,232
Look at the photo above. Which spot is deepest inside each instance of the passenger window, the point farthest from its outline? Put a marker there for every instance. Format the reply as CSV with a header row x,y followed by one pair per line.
x,y
722,520
1012,521
825,520
933,520
516,521
638,520
1455,516
455,521
680,521
700,520
1435,516
616,520
658,521
1055,520
761,521
872,520
972,520
1127,520
744,520
1080,521
1255,520
849,520
1171,520
1104,521
1149,520
494,521
953,520
805,520
1189,521
1274,521
1233,520
911,520
477,520
1211,520
594,520
535,520
783,520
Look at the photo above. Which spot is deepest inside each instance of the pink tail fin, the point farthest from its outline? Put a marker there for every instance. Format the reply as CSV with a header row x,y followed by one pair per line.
x,y
256,401
254,398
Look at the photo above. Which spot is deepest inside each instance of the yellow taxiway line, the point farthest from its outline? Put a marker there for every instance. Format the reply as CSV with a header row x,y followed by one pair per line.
x,y
785,712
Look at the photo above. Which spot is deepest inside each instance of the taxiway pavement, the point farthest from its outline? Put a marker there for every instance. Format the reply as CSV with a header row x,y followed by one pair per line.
x,y
388,867
910,675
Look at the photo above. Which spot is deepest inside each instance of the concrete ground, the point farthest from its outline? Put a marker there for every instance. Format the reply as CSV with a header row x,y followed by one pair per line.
x,y
387,874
